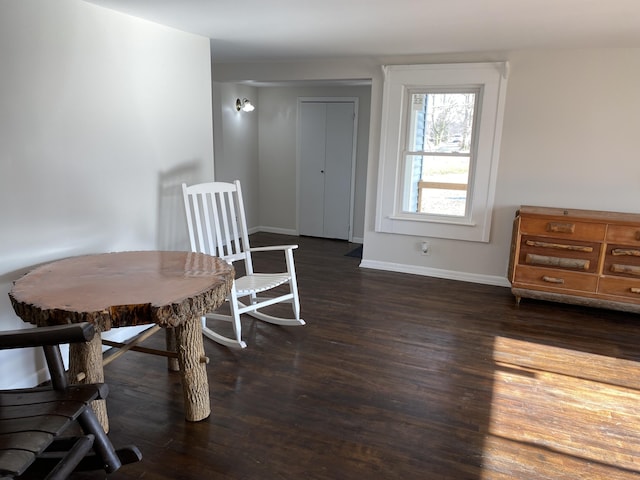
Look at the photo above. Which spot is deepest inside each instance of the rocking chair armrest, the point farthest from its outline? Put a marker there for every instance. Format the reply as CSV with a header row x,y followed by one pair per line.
x,y
272,248
55,335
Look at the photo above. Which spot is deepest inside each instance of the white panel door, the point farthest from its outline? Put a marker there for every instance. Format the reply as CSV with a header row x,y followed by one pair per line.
x,y
312,125
326,156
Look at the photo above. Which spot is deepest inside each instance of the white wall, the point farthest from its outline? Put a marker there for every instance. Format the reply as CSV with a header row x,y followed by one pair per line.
x,y
236,144
101,117
568,141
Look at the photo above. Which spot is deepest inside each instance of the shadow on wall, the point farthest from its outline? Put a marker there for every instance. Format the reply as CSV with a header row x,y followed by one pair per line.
x,y
172,223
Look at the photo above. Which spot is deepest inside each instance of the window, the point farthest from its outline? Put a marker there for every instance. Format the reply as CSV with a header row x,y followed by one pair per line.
x,y
437,153
439,149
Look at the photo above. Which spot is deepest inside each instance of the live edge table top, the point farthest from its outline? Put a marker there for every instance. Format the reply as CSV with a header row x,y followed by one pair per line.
x,y
123,289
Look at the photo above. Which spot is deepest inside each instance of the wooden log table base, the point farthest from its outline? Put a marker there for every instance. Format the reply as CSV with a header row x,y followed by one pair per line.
x,y
171,289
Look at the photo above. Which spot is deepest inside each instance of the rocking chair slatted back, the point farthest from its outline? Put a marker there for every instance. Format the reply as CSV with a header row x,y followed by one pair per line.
x,y
216,221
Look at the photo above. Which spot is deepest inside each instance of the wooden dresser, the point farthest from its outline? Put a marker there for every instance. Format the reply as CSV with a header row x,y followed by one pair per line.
x,y
585,257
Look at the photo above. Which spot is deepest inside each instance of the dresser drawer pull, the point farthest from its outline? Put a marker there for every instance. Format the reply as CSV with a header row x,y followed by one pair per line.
x,y
634,290
630,269
557,227
576,263
638,235
560,246
559,281
630,252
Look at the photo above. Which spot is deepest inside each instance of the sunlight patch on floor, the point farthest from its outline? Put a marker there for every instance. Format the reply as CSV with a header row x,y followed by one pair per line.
x,y
555,408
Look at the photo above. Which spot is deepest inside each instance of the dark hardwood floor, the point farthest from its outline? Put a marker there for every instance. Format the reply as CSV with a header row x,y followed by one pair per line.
x,y
395,376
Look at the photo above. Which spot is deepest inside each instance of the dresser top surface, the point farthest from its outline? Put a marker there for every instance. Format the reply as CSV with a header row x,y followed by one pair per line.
x,y
575,214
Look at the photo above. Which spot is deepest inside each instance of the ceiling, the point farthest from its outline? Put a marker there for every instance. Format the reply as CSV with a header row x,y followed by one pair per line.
x,y
259,30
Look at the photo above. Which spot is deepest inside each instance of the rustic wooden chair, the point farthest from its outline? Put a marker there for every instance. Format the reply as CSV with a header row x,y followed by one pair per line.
x,y
217,226
35,422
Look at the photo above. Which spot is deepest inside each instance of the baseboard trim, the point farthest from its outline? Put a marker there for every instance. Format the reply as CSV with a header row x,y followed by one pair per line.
x,y
281,231
288,231
436,272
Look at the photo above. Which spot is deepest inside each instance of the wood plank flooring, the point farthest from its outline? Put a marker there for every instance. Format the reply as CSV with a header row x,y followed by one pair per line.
x,y
395,376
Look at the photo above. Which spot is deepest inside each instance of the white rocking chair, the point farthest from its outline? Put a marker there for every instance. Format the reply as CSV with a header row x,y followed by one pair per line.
x,y
217,226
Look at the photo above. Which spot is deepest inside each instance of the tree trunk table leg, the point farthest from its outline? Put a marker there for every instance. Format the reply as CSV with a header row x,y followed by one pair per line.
x,y
190,349
85,366
170,342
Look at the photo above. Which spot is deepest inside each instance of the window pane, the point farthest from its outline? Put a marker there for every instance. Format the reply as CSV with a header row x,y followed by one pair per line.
x,y
441,122
436,185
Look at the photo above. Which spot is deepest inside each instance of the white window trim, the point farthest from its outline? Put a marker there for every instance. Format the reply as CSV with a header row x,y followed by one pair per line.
x,y
399,79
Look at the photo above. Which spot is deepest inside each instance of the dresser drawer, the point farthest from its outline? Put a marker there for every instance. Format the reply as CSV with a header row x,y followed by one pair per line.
x,y
551,278
562,253
622,260
620,287
565,228
624,234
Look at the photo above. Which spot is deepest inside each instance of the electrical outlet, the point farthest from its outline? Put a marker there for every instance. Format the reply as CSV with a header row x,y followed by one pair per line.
x,y
425,248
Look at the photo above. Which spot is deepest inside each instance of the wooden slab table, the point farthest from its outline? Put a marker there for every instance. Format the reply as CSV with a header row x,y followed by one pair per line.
x,y
170,289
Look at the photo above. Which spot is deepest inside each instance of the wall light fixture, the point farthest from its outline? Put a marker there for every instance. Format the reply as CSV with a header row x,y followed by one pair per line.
x,y
245,105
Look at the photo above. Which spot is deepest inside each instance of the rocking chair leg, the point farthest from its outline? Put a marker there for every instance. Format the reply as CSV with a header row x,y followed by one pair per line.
x,y
101,445
237,326
81,446
296,308
231,342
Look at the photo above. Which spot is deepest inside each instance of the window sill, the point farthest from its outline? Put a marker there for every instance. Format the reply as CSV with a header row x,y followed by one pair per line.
x,y
433,220
468,231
